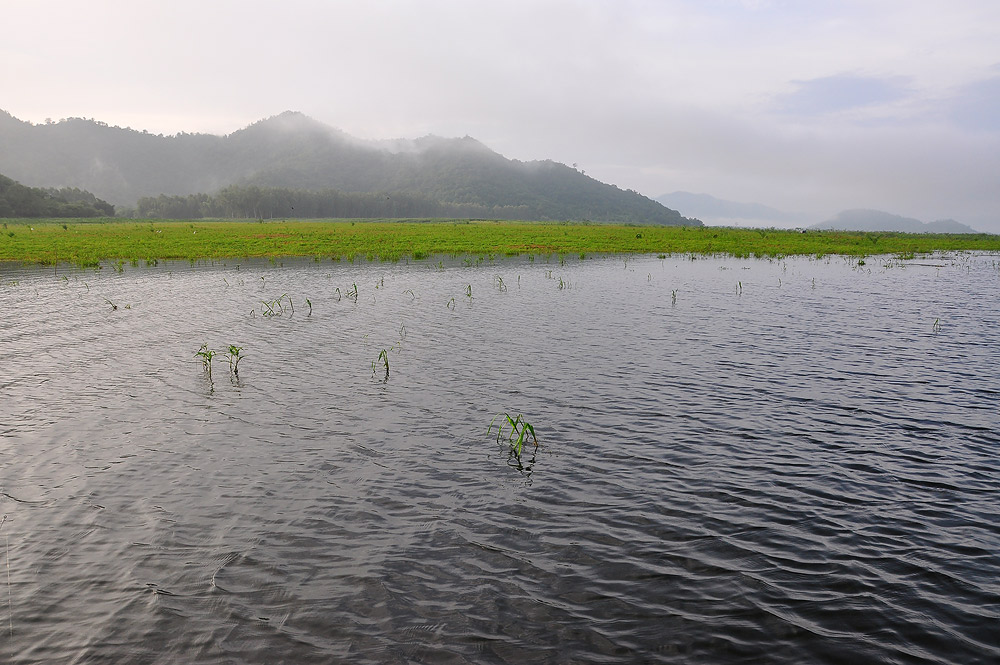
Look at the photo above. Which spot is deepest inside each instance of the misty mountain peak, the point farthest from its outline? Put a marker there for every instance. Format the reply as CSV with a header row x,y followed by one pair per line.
x,y
293,152
291,123
862,219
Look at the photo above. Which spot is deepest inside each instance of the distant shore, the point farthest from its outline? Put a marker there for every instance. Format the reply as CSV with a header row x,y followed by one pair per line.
x,y
89,242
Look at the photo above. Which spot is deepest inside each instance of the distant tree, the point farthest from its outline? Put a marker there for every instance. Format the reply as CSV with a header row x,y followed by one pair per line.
x,y
16,200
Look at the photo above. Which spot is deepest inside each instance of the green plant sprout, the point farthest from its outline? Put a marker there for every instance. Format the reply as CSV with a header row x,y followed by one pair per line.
x,y
383,357
234,358
518,430
206,356
468,290
936,326
450,304
309,302
276,307
498,280
353,293
113,306
337,292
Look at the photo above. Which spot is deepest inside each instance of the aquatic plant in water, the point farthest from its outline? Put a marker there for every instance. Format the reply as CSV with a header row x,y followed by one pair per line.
x,y
10,606
234,357
383,357
206,356
517,429
276,307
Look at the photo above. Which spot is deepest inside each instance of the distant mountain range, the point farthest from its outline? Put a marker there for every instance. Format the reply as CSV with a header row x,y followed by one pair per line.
x,y
876,220
721,212
294,152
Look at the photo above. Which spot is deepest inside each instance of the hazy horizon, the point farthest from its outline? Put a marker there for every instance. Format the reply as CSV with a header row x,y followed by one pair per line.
x,y
809,107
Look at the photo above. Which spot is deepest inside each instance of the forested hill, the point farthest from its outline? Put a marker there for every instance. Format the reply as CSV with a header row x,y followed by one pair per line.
x,y
16,200
296,153
861,219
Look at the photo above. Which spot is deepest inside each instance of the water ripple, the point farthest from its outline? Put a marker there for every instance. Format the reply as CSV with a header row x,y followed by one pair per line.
x,y
803,473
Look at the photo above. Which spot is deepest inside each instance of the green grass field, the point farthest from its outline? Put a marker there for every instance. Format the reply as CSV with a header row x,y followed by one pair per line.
x,y
87,242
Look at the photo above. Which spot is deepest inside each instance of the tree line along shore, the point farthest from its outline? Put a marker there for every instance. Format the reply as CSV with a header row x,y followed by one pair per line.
x,y
91,241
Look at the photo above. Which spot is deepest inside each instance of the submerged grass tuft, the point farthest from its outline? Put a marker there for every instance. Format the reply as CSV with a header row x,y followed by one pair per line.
x,y
234,356
383,359
517,429
276,307
206,356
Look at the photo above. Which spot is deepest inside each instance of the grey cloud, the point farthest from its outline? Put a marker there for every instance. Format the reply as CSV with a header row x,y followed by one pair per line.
x,y
925,171
976,107
840,93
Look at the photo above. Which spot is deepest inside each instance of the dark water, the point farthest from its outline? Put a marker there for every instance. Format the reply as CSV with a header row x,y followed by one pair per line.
x,y
740,461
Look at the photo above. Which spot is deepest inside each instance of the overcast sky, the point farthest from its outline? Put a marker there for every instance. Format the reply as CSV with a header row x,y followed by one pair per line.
x,y
804,105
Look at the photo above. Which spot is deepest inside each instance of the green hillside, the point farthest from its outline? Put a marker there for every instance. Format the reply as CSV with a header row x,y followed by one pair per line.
x,y
295,154
16,200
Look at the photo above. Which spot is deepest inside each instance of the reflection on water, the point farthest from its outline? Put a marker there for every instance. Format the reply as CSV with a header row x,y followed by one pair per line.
x,y
740,461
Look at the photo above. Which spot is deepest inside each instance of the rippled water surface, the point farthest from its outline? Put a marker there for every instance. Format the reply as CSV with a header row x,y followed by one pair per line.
x,y
740,461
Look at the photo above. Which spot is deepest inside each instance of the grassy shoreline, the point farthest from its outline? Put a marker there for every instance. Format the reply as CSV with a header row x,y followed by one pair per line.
x,y
88,242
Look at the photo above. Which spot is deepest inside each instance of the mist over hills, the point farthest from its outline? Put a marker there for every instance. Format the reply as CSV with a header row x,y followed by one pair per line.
x,y
296,153
721,212
877,220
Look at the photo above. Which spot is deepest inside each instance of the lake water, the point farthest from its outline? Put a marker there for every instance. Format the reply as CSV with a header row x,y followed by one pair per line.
x,y
739,461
